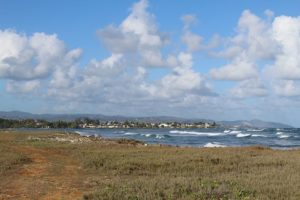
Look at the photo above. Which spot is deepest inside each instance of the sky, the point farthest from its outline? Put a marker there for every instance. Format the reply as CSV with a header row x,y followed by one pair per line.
x,y
220,60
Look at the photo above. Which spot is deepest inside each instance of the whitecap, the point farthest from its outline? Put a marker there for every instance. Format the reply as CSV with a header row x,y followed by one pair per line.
x,y
196,133
234,132
255,130
213,144
242,135
130,133
226,131
258,135
283,136
159,136
279,133
147,135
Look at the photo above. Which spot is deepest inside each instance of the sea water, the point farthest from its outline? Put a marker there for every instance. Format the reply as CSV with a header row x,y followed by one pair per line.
x,y
215,137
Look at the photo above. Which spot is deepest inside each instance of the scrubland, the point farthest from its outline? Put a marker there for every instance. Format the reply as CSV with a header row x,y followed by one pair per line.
x,y
57,165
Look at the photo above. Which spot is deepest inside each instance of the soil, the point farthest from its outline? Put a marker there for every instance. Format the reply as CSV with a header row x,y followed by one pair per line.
x,y
49,175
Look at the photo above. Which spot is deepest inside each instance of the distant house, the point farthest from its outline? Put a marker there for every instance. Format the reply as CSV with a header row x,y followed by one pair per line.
x,y
163,125
206,125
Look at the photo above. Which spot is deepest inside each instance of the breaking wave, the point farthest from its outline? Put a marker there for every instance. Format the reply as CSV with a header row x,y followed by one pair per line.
x,y
131,133
255,130
242,135
196,133
258,135
283,136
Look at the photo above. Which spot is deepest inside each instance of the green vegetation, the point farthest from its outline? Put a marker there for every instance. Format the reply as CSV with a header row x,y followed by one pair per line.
x,y
108,169
31,123
94,123
10,160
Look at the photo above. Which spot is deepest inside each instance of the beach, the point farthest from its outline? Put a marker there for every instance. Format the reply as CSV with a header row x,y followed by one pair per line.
x,y
59,165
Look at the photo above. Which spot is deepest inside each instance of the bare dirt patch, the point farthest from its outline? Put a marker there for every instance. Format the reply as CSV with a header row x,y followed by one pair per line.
x,y
50,175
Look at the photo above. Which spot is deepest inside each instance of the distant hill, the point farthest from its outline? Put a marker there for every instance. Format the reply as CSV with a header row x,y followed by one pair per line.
x,y
253,123
71,117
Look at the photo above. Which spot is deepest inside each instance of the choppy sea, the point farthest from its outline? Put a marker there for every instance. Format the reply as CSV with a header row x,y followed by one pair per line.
x,y
275,138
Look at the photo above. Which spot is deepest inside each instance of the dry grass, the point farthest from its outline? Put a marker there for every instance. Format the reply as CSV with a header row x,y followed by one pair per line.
x,y
104,169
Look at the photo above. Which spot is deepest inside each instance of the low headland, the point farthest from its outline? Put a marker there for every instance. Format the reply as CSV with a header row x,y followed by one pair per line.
x,y
61,165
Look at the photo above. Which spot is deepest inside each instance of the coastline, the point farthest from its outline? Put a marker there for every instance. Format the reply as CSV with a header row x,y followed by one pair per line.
x,y
283,139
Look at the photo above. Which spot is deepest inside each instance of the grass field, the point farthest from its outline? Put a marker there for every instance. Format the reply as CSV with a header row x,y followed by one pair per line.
x,y
53,165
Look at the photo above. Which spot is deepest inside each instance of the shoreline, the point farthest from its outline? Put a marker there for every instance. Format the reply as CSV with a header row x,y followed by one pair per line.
x,y
94,136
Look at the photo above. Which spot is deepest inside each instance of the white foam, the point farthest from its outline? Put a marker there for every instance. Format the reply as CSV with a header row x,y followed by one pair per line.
x,y
255,130
196,133
279,133
283,136
214,144
226,131
234,132
241,135
159,136
258,135
147,135
130,133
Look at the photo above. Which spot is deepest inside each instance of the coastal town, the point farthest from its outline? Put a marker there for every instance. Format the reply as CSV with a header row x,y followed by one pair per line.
x,y
136,124
95,123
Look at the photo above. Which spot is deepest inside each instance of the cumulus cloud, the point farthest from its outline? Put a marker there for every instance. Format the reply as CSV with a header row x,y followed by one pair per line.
x,y
192,41
262,47
286,33
26,61
287,88
181,82
252,43
23,86
137,34
249,88
29,57
238,70
118,42
122,78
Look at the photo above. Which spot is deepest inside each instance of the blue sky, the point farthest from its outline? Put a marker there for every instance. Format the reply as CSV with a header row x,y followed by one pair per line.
x,y
222,60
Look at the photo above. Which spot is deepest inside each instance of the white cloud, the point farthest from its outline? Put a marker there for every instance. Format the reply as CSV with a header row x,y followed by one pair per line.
x,y
192,41
138,34
117,41
249,88
31,57
287,88
142,23
252,43
286,33
182,82
23,86
238,70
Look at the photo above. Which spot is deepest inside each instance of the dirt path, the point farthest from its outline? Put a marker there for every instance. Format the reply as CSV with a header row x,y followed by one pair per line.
x,y
50,175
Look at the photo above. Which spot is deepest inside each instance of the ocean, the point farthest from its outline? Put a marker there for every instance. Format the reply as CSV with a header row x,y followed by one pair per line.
x,y
285,138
